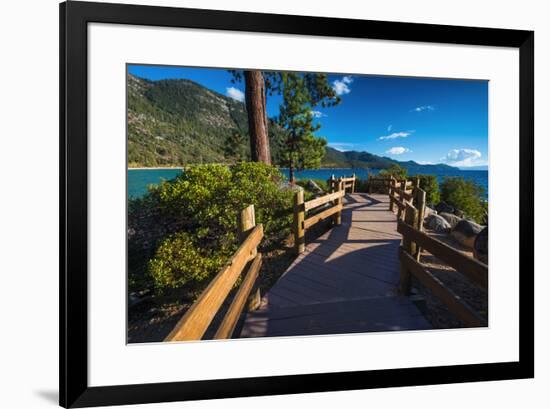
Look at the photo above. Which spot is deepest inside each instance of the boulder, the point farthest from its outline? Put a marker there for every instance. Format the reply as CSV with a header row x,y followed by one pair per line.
x,y
437,223
481,246
443,207
465,232
290,186
428,211
451,219
314,187
459,213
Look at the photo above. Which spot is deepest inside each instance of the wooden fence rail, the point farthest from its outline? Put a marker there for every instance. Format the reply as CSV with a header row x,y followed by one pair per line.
x,y
193,325
414,240
400,195
349,183
300,208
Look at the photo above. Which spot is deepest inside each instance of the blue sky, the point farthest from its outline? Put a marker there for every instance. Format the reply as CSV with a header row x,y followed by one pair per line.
x,y
404,118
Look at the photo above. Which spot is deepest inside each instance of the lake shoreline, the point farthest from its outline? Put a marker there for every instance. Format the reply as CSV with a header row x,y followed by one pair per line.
x,y
140,178
182,167
158,168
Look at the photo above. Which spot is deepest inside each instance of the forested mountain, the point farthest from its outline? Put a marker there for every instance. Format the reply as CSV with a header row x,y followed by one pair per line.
x,y
177,122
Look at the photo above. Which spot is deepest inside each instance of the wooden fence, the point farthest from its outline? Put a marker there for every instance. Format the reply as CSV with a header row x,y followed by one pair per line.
x,y
301,208
414,241
349,183
403,192
374,183
193,325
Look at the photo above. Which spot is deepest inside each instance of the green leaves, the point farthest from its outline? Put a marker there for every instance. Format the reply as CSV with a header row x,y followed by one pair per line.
x,y
302,92
396,171
194,227
430,185
467,196
180,261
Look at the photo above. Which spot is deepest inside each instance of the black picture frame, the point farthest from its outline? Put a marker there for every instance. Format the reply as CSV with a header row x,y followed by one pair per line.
x,y
74,18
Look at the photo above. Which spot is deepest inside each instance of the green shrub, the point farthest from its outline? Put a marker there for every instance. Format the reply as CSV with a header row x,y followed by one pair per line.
x,y
394,170
429,184
183,230
465,195
179,262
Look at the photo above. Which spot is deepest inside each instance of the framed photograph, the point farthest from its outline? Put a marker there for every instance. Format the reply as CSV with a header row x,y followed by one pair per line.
x,y
256,204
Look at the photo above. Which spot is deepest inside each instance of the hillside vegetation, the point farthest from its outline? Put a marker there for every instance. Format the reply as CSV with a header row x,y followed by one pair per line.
x,y
178,122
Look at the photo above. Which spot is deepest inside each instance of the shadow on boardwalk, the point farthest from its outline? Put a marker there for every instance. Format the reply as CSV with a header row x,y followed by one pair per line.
x,y
345,281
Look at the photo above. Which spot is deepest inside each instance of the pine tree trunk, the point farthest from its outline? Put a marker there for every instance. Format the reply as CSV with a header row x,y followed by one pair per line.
x,y
257,116
291,176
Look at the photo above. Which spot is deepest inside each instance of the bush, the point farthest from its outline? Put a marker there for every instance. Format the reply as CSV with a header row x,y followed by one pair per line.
x,y
429,184
180,261
394,170
465,195
186,228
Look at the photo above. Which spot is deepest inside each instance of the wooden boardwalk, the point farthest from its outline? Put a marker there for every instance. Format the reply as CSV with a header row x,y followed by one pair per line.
x,y
345,282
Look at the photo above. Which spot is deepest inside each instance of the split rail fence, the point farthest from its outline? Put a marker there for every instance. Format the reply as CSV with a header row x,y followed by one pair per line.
x,y
411,204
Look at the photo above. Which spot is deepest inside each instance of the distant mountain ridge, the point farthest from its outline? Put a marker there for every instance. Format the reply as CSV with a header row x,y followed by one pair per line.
x,y
177,122
354,159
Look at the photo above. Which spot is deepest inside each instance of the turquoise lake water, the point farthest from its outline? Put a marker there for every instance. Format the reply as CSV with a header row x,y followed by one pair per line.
x,y
139,179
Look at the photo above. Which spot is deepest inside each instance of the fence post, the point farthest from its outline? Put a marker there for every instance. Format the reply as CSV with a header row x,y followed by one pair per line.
x,y
331,184
338,216
246,222
421,206
411,215
299,239
409,247
353,184
392,190
402,186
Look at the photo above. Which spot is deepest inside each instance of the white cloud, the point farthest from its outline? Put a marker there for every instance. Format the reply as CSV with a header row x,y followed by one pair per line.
x,y
317,114
390,127
341,146
424,108
341,87
395,135
463,157
397,150
235,93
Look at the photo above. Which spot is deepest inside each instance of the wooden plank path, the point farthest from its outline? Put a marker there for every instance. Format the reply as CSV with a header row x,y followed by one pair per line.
x,y
345,282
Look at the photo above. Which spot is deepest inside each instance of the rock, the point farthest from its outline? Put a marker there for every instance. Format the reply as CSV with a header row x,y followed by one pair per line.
x,y
428,211
314,187
459,213
465,232
481,246
451,219
443,207
437,223
290,186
